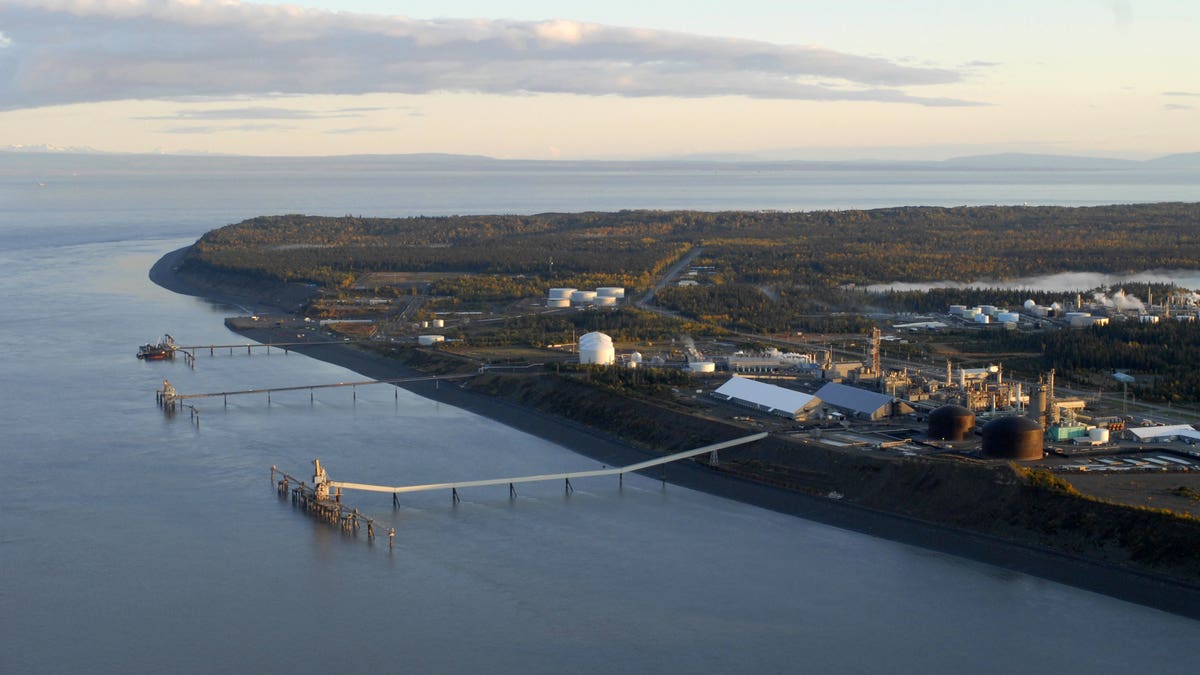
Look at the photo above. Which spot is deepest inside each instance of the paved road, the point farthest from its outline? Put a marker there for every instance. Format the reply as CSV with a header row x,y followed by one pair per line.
x,y
647,299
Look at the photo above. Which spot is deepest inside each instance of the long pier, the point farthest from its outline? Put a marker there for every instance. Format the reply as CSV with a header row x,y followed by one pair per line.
x,y
189,351
169,398
454,487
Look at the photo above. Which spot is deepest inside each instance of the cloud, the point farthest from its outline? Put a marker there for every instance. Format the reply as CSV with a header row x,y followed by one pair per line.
x,y
254,113
1181,93
361,130
221,129
76,51
1178,106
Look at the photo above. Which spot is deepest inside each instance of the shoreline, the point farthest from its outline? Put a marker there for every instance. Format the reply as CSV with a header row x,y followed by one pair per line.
x,y
1132,585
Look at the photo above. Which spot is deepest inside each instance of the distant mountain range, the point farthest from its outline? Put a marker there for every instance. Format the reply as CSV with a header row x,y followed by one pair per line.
x,y
57,158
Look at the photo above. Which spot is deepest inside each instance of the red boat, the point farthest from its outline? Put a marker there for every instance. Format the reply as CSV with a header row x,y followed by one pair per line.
x,y
165,349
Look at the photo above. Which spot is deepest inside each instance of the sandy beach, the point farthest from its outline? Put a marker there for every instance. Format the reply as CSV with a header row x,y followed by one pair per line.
x,y
1113,580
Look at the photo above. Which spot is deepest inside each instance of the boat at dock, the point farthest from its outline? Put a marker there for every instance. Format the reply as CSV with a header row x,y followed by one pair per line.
x,y
164,349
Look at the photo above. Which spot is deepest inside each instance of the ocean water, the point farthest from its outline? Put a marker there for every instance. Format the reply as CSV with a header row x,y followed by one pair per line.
x,y
134,542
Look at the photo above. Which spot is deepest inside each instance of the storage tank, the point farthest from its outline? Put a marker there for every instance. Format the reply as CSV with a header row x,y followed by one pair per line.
x,y
988,309
596,348
951,423
702,367
1030,304
561,292
1098,435
957,310
610,292
581,297
606,301
1012,437
558,302
982,318
970,313
427,340
438,323
635,360
1008,317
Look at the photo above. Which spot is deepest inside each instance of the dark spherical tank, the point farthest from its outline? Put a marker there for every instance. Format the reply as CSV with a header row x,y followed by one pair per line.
x,y
951,423
1012,438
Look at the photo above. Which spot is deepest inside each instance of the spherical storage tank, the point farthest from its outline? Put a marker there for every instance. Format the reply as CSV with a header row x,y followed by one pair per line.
x,y
596,348
1012,438
951,423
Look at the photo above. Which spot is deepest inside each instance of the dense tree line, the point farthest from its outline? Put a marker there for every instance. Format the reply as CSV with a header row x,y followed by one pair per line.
x,y
810,248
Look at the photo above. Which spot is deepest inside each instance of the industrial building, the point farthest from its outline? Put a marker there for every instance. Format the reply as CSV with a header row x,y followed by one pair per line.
x,y
862,403
767,398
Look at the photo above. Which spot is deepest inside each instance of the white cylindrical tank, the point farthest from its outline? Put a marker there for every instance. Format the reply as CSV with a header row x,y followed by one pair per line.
x,y
561,292
606,301
970,313
427,340
988,309
596,348
558,302
982,318
610,292
957,310
438,323
424,324
1008,317
702,367
583,296
1098,434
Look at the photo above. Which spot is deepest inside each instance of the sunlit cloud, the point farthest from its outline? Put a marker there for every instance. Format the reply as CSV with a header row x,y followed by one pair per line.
x,y
1178,106
225,129
77,51
1181,93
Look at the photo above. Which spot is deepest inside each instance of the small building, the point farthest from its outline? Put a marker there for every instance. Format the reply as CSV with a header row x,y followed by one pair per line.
x,y
767,398
861,402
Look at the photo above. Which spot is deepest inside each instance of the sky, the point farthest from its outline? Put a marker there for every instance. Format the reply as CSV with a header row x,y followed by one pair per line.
x,y
617,79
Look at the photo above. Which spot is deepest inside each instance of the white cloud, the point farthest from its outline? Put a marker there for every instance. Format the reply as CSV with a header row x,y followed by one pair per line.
x,y
74,51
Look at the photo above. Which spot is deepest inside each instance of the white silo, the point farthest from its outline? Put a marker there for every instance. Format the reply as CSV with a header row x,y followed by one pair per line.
x,y
610,292
596,348
606,301
583,297
558,302
561,292
438,323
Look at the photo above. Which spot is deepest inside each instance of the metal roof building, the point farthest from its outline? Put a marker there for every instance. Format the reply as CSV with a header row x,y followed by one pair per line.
x,y
767,397
1164,433
860,402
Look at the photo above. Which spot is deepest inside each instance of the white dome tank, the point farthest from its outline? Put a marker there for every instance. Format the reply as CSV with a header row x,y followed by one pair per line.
x,y
1030,304
596,348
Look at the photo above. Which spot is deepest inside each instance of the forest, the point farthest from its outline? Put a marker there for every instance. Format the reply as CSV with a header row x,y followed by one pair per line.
x,y
818,249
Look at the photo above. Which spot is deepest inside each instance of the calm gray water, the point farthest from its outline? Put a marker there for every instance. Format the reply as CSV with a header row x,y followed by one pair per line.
x,y
135,543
